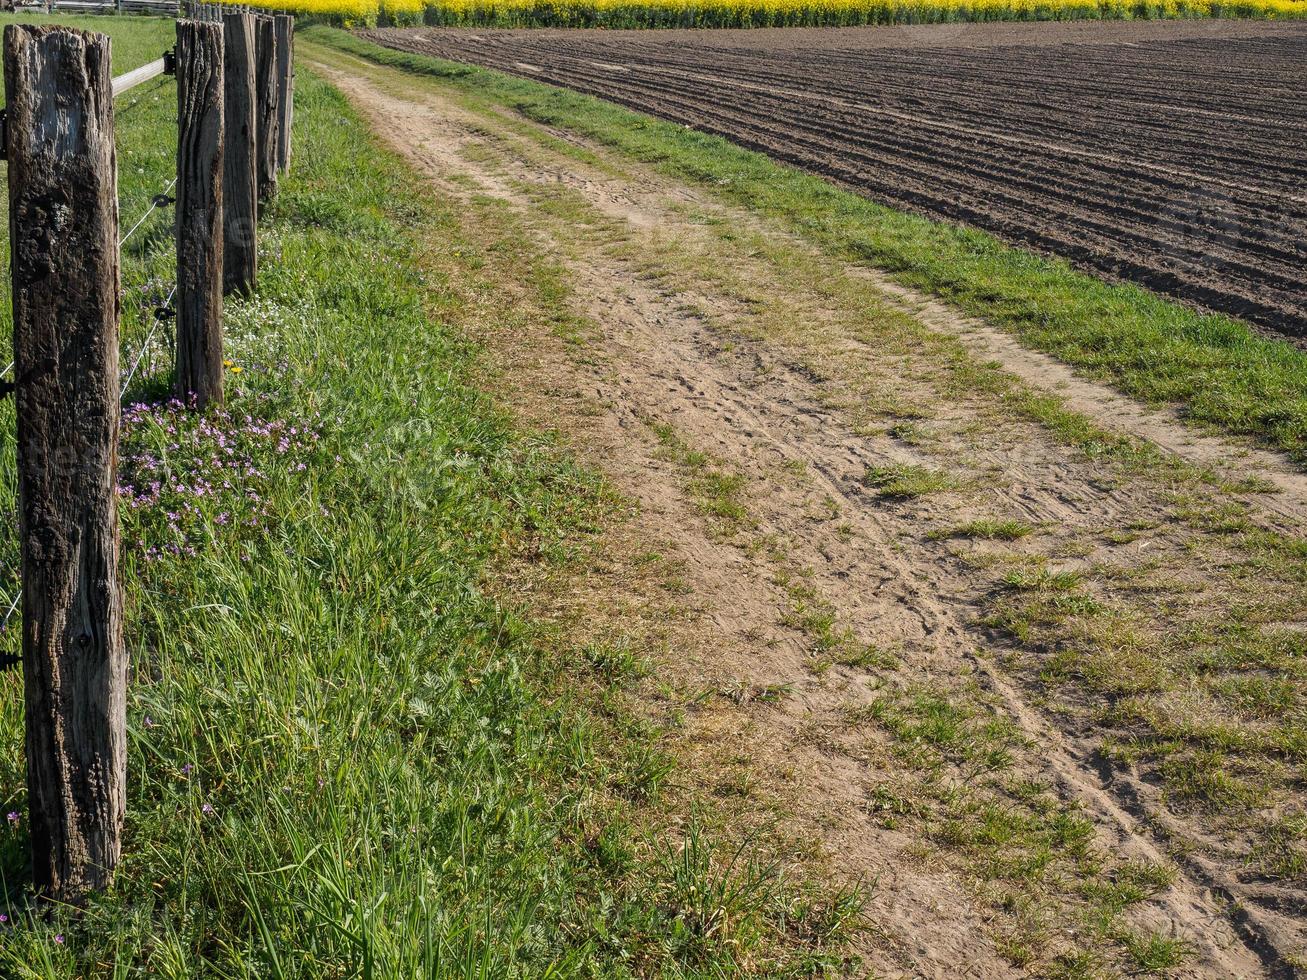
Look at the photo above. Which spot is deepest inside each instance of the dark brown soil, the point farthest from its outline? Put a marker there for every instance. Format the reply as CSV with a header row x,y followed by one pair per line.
x,y
1170,154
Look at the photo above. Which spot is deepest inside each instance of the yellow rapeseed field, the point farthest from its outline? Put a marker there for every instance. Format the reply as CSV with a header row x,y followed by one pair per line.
x,y
349,13
764,13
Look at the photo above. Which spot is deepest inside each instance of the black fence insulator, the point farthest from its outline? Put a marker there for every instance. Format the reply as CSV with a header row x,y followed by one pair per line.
x,y
4,135
170,62
165,313
162,200
6,388
10,660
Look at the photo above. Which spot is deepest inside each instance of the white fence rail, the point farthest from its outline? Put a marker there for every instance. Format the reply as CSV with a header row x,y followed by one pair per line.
x,y
143,74
162,8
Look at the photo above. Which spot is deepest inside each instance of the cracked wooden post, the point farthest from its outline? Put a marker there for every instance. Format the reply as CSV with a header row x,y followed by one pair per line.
x,y
63,232
285,31
266,113
239,233
198,372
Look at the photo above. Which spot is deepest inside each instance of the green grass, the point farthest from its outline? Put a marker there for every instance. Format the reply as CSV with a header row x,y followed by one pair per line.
x,y
134,41
905,481
1154,952
1215,370
718,492
615,661
986,529
346,757
1040,578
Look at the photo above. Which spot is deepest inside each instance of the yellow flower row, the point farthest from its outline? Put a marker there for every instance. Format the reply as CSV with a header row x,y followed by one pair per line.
x,y
349,13
760,13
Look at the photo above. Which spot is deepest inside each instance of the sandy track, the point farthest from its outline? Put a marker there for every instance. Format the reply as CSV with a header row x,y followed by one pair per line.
x,y
1167,156
681,355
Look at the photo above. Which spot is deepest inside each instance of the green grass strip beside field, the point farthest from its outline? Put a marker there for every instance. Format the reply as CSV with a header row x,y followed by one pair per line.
x,y
1215,370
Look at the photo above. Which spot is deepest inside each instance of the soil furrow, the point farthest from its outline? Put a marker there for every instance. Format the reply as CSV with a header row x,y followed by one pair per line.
x,y
1184,270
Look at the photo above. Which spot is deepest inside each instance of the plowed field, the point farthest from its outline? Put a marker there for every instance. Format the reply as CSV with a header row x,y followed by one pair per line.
x,y
1170,154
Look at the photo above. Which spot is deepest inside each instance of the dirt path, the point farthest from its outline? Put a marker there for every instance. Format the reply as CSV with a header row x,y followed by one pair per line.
x,y
756,403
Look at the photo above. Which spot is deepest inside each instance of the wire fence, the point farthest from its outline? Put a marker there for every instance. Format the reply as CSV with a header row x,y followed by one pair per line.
x,y
156,202
162,314
163,8
71,302
121,84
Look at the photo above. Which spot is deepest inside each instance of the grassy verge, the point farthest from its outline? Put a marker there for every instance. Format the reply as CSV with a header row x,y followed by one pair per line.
x,y
1217,371
347,757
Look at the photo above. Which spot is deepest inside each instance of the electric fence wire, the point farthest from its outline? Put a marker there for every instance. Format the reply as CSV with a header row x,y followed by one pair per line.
x,y
158,201
158,321
10,612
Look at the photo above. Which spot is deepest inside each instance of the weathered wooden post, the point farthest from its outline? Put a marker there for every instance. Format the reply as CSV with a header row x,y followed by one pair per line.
x,y
63,232
285,31
239,258
265,71
198,372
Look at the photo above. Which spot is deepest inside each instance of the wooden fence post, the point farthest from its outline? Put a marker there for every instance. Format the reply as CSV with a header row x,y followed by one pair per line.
x,y
63,226
285,30
198,372
239,260
265,70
